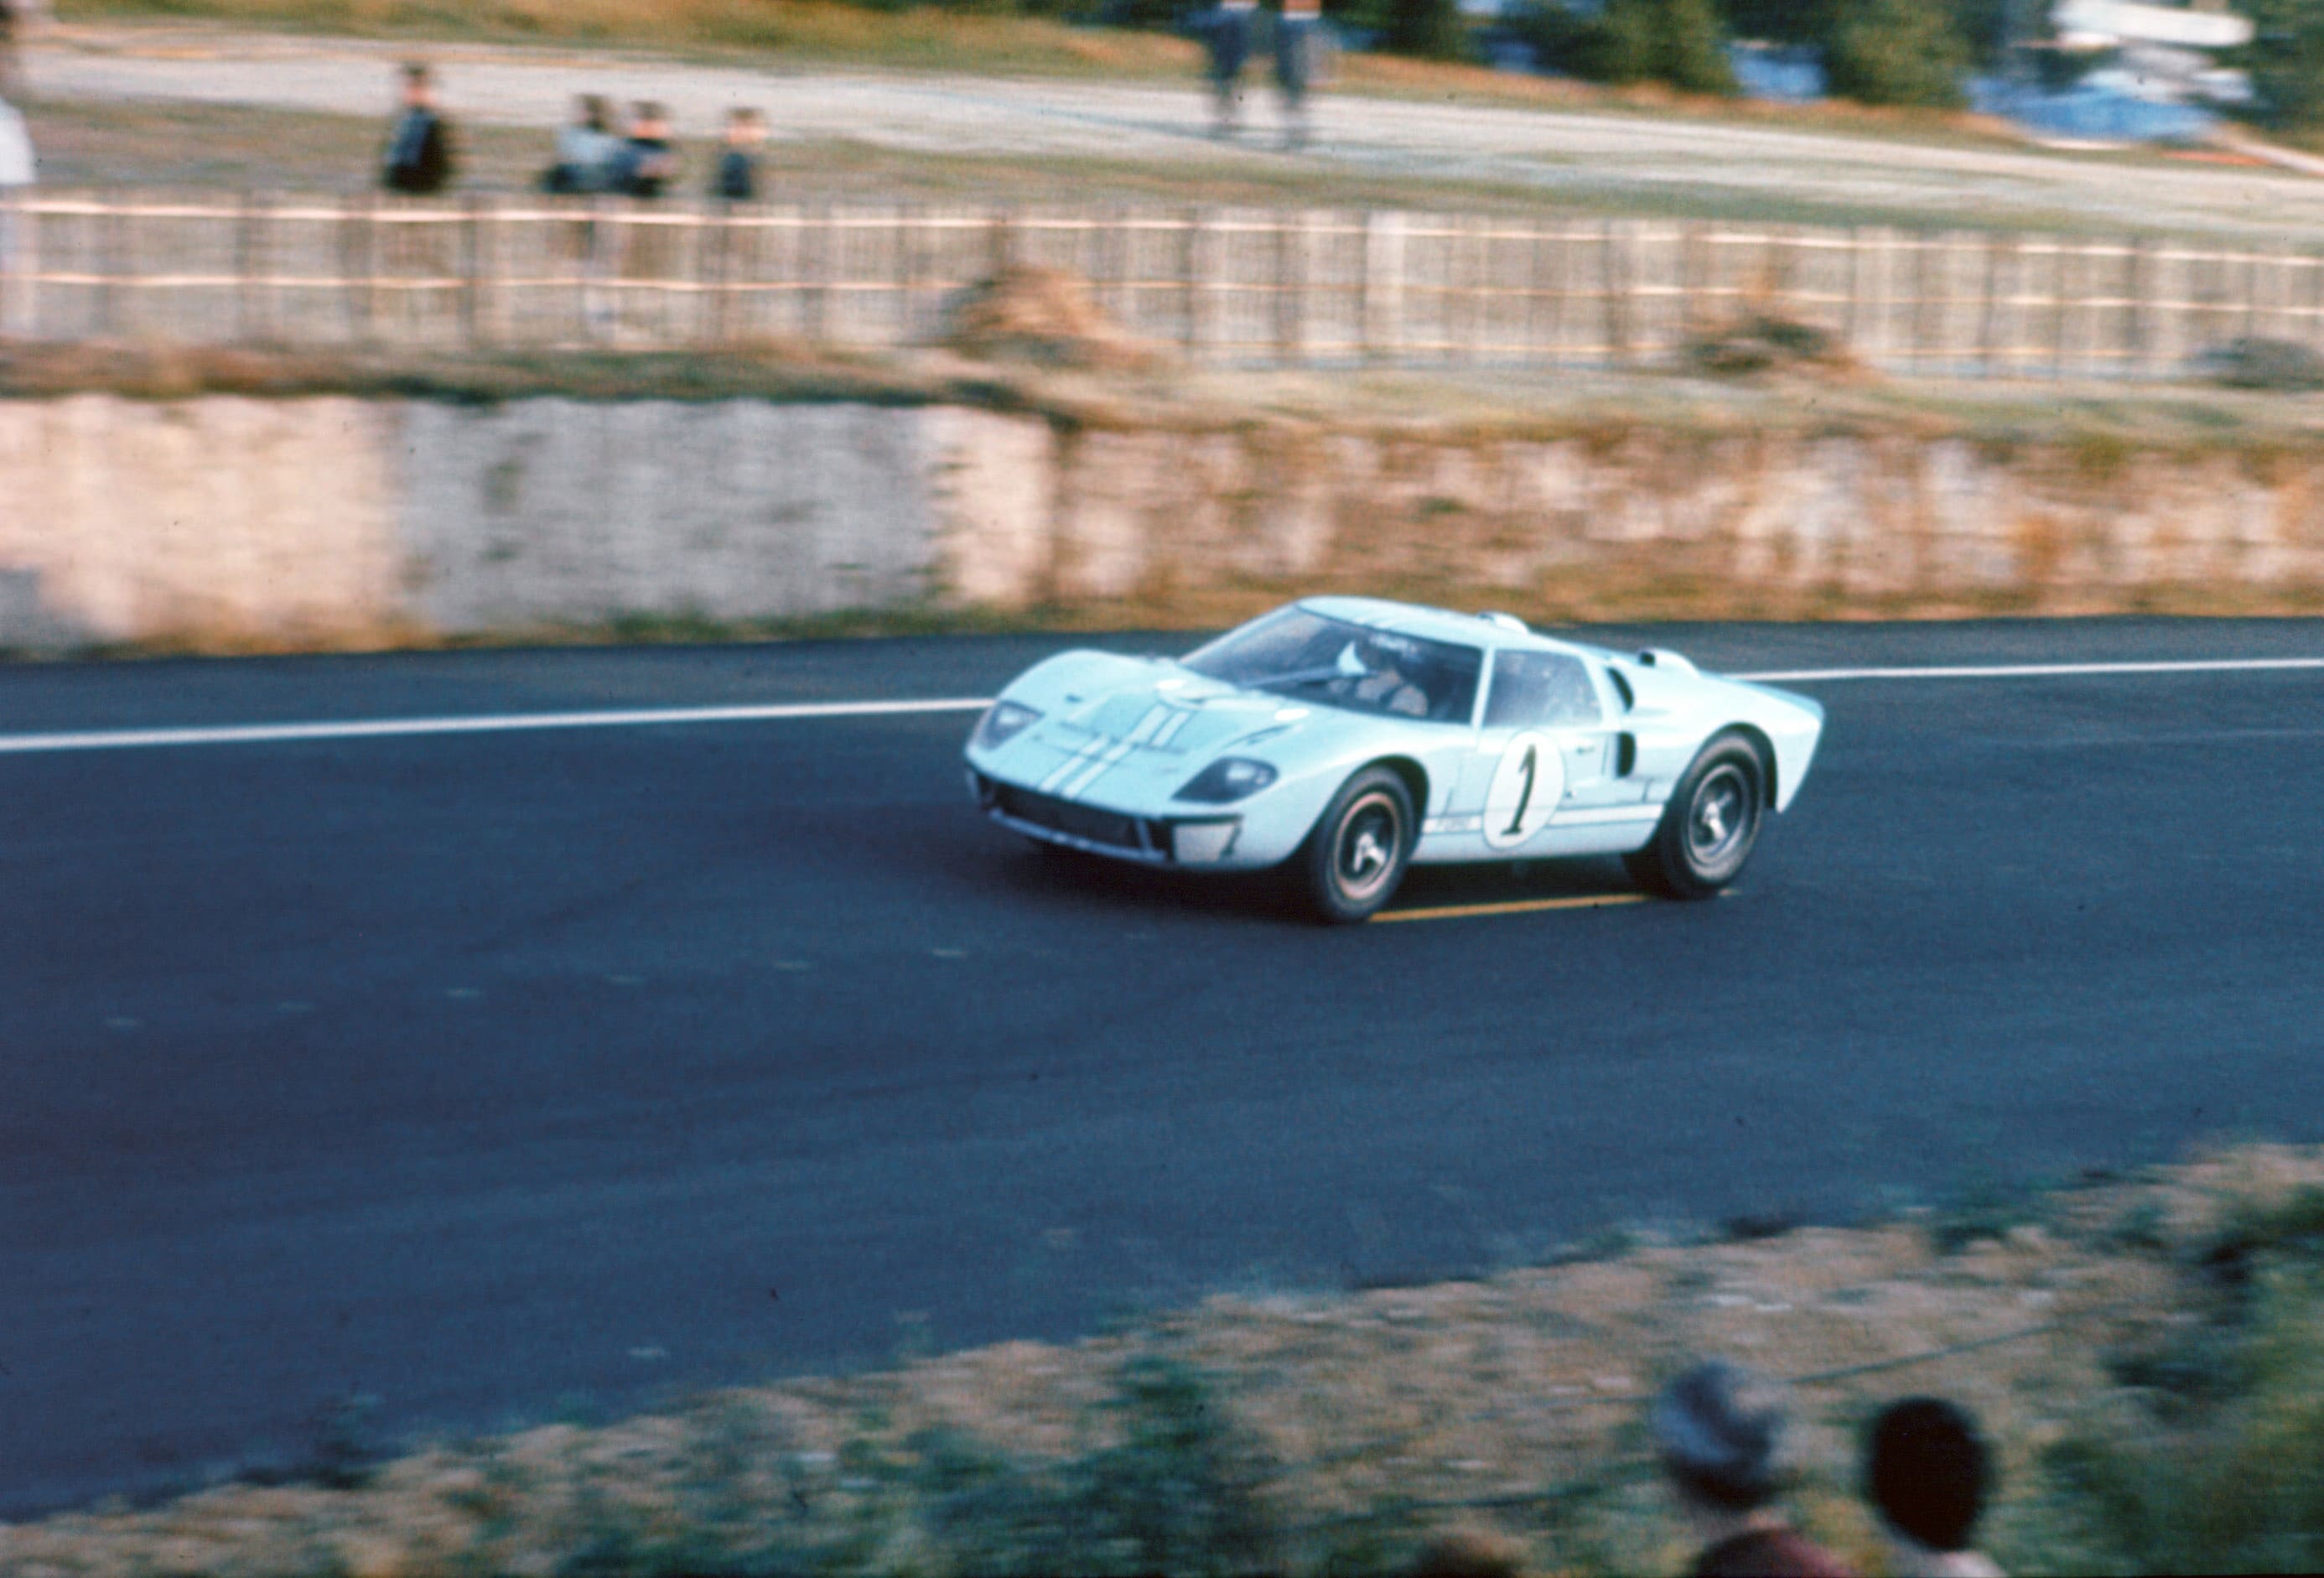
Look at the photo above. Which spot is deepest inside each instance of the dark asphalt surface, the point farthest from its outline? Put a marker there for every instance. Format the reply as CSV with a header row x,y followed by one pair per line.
x,y
476,1075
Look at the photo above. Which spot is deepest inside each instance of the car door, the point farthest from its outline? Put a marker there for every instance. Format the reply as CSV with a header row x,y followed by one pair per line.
x,y
1543,749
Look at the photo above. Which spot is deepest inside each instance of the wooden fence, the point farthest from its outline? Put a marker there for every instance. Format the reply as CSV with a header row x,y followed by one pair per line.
x,y
1228,285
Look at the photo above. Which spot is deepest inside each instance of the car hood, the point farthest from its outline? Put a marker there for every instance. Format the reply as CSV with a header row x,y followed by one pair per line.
x,y
1132,731
1170,712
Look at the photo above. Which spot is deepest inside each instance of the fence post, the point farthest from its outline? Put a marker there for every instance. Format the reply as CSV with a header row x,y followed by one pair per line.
x,y
819,251
1693,278
115,228
364,212
2059,315
249,243
15,284
2137,289
2315,313
1866,250
473,281
999,241
1616,261
1194,265
1291,236
1381,309
1997,251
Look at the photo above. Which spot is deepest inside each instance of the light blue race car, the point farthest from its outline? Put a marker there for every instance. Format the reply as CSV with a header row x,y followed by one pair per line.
x,y
1344,738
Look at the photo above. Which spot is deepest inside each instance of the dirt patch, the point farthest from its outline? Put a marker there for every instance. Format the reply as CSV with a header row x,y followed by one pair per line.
x,y
1046,316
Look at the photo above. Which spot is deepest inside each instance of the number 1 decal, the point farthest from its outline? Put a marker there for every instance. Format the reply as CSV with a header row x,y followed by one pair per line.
x,y
1528,785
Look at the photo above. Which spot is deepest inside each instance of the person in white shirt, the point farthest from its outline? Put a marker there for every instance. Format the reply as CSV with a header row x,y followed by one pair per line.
x,y
18,170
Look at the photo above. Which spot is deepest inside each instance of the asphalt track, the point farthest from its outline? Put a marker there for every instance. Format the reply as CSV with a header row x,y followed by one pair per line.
x,y
480,1072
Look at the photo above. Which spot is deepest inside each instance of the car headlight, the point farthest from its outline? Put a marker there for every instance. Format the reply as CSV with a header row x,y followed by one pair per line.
x,y
1003,722
1229,778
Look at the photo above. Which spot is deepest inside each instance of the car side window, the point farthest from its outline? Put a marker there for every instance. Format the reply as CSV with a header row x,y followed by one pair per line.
x,y
1540,690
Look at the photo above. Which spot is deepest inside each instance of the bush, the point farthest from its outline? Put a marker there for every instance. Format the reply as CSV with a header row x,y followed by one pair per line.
x,y
2242,1487
2286,61
1895,52
1679,42
1432,30
2264,364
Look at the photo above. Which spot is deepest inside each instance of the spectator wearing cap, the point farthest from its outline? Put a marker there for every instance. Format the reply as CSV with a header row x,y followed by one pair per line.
x,y
1719,1430
1927,1473
418,159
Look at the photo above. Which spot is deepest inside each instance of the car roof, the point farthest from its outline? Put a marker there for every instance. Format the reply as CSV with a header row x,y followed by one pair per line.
x,y
1441,624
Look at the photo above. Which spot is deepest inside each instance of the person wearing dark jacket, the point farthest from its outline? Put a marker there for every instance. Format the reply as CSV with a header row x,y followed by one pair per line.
x,y
737,176
647,162
419,159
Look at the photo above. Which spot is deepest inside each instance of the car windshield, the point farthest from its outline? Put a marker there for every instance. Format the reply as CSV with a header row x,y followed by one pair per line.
x,y
1299,652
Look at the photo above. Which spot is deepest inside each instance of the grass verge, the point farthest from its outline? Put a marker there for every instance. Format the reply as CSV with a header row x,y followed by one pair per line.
x,y
2143,1351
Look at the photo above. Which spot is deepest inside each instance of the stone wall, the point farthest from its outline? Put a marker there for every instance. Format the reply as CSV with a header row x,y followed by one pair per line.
x,y
238,522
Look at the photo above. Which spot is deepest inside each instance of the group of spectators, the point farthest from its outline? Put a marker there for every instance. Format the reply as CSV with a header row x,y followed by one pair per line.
x,y
1719,1430
591,157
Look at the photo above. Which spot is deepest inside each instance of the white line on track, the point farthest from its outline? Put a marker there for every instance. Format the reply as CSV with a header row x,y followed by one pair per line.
x,y
2037,670
510,723
642,717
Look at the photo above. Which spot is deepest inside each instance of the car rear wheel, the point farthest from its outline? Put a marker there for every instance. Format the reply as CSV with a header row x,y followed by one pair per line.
x,y
1354,860
1707,831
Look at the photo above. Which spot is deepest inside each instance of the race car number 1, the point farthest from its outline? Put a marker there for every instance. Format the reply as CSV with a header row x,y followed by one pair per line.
x,y
1528,785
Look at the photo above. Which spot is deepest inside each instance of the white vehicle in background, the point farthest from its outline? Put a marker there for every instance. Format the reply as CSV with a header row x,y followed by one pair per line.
x,y
1346,738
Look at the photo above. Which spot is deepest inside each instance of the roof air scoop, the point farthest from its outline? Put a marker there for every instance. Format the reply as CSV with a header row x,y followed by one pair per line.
x,y
1666,661
1504,621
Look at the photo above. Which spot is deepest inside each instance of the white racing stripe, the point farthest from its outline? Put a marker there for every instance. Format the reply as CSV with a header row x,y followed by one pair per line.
x,y
642,717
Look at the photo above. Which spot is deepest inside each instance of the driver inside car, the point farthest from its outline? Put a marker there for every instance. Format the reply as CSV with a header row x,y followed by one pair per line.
x,y
1385,686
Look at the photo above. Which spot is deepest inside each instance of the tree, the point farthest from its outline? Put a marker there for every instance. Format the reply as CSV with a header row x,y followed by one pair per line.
x,y
2286,61
1431,29
1682,43
1689,47
1895,52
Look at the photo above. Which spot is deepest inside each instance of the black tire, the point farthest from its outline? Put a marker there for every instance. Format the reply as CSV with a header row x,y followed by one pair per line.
x,y
1353,861
1709,825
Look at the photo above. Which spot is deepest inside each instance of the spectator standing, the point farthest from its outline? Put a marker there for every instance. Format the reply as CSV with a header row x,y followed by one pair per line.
x,y
647,162
1230,42
18,170
736,179
585,150
1927,1473
1719,1430
419,160
1296,42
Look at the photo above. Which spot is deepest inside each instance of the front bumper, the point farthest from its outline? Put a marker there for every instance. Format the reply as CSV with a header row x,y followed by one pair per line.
x,y
1189,840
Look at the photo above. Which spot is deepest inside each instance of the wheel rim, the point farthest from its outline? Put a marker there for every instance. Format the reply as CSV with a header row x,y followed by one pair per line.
x,y
1370,838
1720,821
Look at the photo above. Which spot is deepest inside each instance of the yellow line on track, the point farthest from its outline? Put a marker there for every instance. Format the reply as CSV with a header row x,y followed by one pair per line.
x,y
1515,907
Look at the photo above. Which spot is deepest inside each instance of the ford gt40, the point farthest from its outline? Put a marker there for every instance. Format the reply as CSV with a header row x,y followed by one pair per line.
x,y
1346,738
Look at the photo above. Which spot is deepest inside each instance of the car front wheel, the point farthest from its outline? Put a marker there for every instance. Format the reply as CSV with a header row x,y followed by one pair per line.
x,y
1707,831
1356,856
